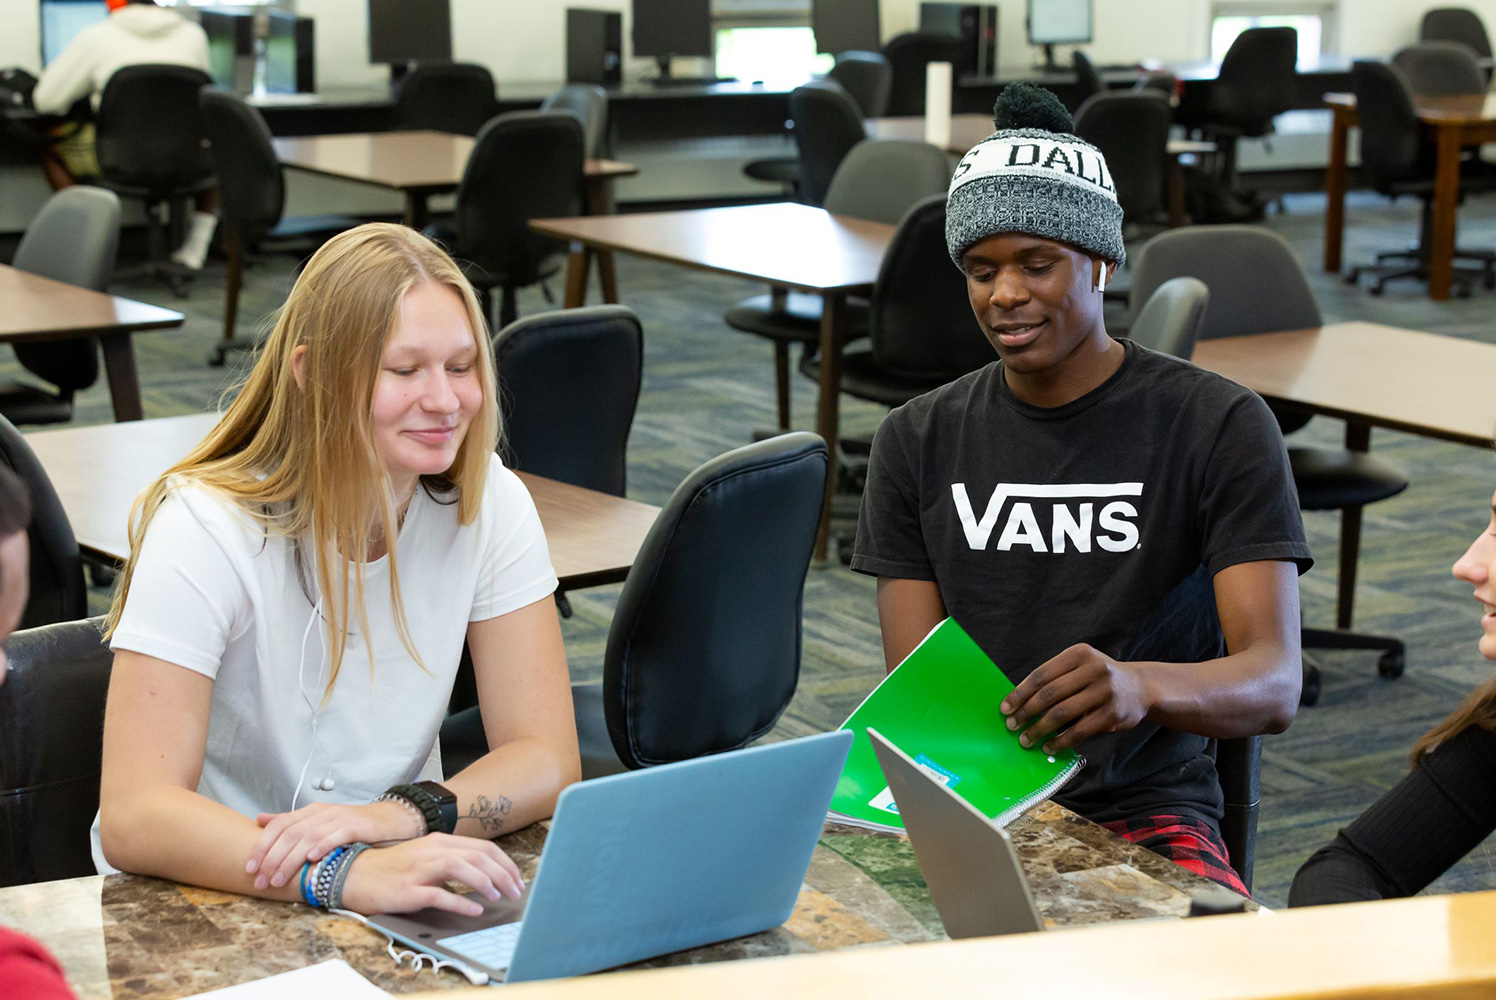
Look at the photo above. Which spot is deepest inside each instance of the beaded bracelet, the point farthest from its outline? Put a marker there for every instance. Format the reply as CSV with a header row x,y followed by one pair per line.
x,y
409,807
340,876
326,869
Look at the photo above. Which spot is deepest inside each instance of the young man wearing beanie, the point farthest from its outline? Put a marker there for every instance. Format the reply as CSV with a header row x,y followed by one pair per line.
x,y
1116,528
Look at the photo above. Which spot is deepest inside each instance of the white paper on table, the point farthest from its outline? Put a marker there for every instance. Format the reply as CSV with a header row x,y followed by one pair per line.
x,y
938,104
333,978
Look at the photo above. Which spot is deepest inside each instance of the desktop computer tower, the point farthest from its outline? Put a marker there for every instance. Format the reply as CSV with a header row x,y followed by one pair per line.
x,y
975,25
594,46
306,55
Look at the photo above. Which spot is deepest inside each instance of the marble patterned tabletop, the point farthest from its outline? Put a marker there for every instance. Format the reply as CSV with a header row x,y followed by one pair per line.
x,y
124,937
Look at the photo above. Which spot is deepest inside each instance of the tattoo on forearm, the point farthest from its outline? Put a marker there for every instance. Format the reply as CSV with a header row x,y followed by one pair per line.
x,y
491,814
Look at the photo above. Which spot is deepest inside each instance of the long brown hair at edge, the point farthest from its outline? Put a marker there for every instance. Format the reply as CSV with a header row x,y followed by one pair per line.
x,y
300,459
1479,709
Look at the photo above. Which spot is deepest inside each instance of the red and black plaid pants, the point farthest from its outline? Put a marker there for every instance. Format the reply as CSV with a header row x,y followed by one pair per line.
x,y
1188,842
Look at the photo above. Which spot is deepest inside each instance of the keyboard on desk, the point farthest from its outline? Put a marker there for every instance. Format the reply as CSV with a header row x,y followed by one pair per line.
x,y
491,947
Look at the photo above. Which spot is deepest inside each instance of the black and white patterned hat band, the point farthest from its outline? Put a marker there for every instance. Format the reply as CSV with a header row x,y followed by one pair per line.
x,y
1043,181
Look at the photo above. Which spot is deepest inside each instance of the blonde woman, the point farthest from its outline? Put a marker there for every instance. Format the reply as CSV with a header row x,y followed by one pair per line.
x,y
1444,807
289,624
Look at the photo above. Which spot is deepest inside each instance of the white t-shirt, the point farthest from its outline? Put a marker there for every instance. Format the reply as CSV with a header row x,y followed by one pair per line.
x,y
213,594
131,36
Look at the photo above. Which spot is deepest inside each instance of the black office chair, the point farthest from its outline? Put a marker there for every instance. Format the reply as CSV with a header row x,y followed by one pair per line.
x,y
1254,86
51,744
57,593
525,165
867,77
568,386
448,97
589,103
1087,81
1440,69
1239,770
879,179
1456,24
1131,128
908,55
703,653
72,239
252,200
1399,162
152,146
1170,320
1258,286
827,124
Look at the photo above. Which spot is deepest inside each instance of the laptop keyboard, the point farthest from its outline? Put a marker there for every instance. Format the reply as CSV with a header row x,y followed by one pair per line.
x,y
492,946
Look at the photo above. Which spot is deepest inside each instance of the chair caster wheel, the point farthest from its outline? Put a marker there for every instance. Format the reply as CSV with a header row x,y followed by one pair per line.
x,y
1377,289
1489,280
1309,695
1391,664
1353,278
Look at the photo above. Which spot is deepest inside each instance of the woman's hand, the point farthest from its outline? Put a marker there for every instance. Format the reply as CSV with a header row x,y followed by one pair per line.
x,y
409,876
291,839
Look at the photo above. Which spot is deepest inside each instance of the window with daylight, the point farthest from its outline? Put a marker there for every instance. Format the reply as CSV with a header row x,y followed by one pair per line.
x,y
1313,21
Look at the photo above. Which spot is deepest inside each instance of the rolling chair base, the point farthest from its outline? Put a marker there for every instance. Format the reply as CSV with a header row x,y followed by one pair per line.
x,y
1390,665
221,349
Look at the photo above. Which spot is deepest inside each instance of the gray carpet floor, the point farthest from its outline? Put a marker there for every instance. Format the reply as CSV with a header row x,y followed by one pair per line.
x,y
706,388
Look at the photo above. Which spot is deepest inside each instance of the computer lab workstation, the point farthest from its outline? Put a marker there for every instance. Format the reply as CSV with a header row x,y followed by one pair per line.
x,y
975,498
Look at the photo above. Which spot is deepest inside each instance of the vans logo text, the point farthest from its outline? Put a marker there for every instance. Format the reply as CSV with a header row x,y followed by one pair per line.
x,y
1074,520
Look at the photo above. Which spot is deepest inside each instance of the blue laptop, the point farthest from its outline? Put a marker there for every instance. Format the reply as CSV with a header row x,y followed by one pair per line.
x,y
651,862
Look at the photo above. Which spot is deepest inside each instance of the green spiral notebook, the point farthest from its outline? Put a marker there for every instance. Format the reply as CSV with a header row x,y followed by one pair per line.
x,y
940,706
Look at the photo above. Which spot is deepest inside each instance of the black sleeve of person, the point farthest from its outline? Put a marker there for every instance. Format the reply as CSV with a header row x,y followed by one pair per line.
x,y
1249,506
1414,833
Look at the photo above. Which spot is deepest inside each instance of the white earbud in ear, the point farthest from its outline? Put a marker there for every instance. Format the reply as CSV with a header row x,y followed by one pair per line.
x,y
1101,278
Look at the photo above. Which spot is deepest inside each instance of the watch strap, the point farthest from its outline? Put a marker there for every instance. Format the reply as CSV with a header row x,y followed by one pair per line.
x,y
426,804
446,801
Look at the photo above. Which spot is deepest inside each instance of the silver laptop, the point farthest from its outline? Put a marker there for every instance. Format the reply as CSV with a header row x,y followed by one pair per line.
x,y
650,862
968,862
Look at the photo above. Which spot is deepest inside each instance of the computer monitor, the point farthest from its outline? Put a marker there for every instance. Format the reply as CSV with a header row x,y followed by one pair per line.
x,y
231,48
665,28
280,52
844,25
63,19
1058,22
407,31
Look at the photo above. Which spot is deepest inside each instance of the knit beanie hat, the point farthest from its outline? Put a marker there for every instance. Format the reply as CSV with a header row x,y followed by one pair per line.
x,y
1034,175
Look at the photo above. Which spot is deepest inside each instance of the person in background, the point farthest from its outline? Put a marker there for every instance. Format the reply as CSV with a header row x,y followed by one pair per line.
x,y
136,32
1443,808
26,970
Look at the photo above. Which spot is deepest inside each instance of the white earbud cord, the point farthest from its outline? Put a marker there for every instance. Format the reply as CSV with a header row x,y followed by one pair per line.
x,y
301,688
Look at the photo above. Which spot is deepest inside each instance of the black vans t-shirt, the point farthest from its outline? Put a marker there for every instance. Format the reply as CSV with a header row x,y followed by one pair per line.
x,y
1101,521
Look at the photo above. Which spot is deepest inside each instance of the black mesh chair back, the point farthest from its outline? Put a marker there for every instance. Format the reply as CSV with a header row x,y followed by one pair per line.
x,y
867,78
1392,146
447,97
251,185
1239,769
589,103
703,653
921,324
1131,128
57,590
51,745
1087,81
74,238
568,386
880,179
525,165
1440,69
1170,320
908,55
1456,24
1236,263
827,126
1256,81
151,137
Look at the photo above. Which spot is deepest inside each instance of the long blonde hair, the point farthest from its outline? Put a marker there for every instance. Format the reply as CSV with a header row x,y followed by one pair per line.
x,y
300,458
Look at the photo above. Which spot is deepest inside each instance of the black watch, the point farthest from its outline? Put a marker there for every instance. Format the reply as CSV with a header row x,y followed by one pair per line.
x,y
436,804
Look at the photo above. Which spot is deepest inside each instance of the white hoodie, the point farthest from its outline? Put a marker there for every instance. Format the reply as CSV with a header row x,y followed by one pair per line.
x,y
133,35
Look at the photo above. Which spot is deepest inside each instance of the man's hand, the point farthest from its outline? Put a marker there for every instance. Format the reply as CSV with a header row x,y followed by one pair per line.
x,y
1082,692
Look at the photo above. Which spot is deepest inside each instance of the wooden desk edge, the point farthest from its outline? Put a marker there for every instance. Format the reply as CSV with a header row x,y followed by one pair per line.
x,y
1425,947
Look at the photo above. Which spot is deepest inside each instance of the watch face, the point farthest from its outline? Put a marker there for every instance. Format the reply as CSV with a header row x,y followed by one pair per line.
x,y
442,795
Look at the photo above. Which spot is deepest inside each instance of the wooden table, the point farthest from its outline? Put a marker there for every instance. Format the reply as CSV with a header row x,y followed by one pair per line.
x,y
125,937
968,130
35,309
784,244
422,163
1370,376
1452,124
98,471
